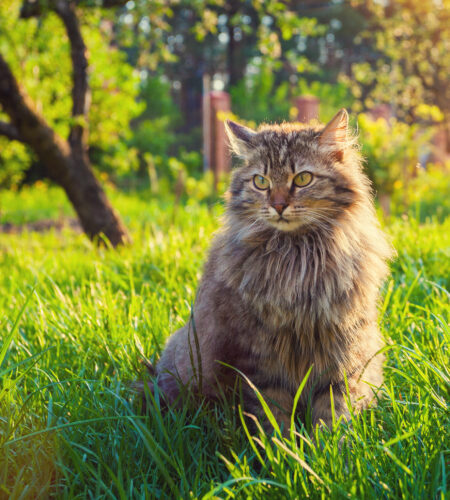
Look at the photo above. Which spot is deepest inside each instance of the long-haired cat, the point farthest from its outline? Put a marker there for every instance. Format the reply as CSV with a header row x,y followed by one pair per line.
x,y
292,278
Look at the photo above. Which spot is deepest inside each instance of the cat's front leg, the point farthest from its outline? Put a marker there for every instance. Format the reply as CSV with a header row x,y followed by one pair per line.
x,y
279,401
361,393
360,388
188,365
322,411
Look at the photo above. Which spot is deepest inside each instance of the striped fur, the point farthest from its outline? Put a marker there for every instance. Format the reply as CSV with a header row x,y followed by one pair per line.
x,y
278,297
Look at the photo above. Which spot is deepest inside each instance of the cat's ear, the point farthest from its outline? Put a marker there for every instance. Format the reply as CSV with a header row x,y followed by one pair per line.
x,y
240,138
335,134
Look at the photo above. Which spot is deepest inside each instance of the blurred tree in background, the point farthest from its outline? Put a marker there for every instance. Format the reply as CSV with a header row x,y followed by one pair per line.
x,y
31,48
44,123
224,40
408,66
392,153
151,61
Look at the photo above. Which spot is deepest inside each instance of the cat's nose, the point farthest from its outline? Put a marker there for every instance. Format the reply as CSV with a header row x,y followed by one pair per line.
x,y
279,207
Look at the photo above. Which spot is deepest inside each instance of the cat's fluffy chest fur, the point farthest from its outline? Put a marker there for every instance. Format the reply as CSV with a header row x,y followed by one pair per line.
x,y
292,279
298,309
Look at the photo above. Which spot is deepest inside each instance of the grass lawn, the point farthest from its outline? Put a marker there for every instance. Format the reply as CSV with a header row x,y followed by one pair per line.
x,y
75,319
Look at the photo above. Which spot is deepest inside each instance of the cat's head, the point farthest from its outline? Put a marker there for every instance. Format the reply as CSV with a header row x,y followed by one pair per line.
x,y
295,176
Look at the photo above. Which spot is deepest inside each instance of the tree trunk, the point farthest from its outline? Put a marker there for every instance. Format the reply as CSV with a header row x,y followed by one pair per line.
x,y
69,168
96,214
447,135
235,70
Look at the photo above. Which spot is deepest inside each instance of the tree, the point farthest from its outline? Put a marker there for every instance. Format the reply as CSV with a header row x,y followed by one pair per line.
x,y
216,38
408,65
66,160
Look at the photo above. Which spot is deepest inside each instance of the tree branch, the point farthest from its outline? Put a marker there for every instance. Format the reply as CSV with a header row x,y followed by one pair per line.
x,y
80,89
107,3
71,171
30,9
9,131
65,9
34,8
29,125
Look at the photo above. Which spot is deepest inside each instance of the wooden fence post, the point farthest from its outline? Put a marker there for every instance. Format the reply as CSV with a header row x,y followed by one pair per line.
x,y
307,108
216,150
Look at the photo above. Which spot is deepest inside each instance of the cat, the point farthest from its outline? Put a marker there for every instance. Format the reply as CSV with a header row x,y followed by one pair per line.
x,y
292,279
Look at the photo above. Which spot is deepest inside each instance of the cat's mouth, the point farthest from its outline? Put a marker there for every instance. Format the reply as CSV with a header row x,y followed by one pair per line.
x,y
283,224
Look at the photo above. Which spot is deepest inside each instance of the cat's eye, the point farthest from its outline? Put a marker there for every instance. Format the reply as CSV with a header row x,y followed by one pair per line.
x,y
261,182
303,179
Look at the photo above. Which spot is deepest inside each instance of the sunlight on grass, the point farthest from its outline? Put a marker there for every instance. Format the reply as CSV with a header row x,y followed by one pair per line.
x,y
68,423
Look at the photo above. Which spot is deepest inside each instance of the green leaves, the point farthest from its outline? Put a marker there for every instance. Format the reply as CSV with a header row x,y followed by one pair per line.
x,y
392,150
410,42
39,55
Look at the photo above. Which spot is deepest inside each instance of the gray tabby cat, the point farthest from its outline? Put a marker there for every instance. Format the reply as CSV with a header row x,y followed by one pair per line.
x,y
292,279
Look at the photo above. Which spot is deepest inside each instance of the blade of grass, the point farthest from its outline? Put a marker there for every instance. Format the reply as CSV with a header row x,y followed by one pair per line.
x,y
10,336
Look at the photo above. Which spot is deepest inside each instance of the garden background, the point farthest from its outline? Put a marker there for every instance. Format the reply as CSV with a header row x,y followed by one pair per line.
x,y
102,145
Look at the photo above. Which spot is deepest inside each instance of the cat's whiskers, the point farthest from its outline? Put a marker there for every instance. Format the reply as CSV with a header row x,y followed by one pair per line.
x,y
321,222
322,214
247,230
320,217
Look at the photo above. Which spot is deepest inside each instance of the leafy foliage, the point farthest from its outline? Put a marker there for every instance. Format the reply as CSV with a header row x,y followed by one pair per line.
x,y
14,157
38,53
147,62
426,194
408,65
257,97
392,150
153,130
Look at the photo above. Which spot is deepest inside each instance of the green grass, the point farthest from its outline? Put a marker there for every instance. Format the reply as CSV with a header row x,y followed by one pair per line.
x,y
75,319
